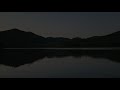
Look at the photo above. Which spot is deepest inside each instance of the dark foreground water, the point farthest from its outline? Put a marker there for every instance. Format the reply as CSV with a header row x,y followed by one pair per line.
x,y
58,63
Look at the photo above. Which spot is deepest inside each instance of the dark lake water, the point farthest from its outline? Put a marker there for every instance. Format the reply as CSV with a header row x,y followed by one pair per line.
x,y
59,63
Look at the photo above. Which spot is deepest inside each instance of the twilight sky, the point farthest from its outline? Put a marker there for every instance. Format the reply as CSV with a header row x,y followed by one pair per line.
x,y
62,24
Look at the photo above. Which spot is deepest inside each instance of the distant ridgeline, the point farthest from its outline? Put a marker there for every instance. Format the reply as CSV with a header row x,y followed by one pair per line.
x,y
16,38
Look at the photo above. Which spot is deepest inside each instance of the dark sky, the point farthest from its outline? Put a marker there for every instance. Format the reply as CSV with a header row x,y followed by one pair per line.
x,y
62,24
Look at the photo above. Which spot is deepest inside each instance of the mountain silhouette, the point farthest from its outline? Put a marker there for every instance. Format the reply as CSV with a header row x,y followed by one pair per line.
x,y
15,38
18,38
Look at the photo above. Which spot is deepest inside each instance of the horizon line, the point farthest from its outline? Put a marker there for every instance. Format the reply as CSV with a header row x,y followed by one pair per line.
x,y
59,36
109,48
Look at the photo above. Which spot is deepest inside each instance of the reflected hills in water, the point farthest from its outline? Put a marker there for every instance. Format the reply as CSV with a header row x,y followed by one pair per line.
x,y
18,57
15,38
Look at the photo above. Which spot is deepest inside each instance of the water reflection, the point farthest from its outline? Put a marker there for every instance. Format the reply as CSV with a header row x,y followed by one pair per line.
x,y
17,57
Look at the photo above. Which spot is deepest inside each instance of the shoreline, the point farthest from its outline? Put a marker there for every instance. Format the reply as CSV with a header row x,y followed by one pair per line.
x,y
112,48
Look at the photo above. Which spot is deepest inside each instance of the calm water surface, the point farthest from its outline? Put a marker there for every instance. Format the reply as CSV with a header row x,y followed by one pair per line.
x,y
41,63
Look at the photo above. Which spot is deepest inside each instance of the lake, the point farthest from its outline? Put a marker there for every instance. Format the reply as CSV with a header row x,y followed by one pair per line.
x,y
60,63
